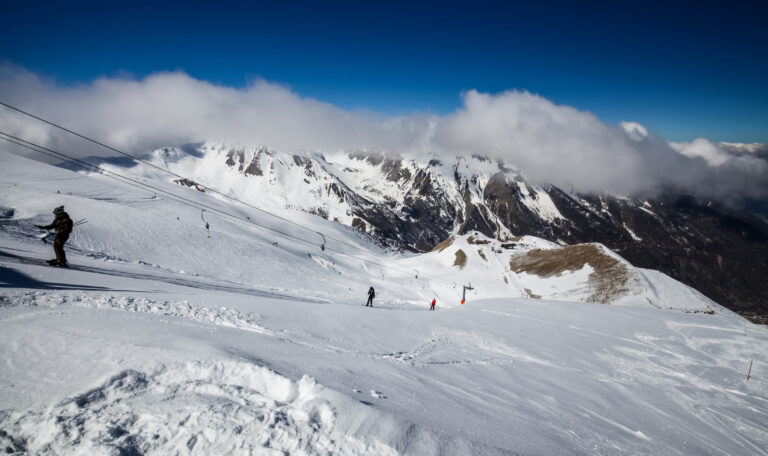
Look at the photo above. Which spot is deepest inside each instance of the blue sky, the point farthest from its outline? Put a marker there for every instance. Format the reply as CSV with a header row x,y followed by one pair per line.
x,y
683,69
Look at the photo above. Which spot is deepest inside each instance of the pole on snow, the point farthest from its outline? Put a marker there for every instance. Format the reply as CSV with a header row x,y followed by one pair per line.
x,y
464,292
51,233
750,369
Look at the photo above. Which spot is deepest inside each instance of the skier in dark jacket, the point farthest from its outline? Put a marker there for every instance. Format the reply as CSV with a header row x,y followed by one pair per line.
x,y
62,224
371,295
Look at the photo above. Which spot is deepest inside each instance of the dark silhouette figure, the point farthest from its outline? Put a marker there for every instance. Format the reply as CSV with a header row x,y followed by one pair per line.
x,y
433,304
62,224
371,295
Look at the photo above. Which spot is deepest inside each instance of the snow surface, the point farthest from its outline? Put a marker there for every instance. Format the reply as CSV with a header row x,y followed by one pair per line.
x,y
160,340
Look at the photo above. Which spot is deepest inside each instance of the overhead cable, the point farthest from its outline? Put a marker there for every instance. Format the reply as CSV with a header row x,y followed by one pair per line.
x,y
186,201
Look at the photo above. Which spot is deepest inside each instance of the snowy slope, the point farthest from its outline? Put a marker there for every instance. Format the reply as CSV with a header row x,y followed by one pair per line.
x,y
160,340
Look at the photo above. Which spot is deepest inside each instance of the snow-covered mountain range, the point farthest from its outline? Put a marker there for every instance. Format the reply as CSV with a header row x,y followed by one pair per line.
x,y
249,336
417,202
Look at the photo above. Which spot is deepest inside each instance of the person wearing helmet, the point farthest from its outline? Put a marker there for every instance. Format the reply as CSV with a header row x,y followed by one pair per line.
x,y
62,224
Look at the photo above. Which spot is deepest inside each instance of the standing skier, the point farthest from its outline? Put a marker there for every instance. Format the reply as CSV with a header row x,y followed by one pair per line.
x,y
371,295
434,301
62,224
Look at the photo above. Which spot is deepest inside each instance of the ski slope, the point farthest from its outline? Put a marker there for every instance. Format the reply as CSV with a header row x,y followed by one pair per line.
x,y
161,340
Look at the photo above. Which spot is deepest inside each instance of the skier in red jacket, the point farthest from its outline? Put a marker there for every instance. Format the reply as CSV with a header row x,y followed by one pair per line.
x,y
433,304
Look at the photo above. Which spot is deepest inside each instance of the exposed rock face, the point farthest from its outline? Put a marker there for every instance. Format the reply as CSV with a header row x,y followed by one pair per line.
x,y
416,205
189,183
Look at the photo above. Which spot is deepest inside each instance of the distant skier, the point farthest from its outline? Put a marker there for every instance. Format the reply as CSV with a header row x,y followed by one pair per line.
x,y
434,301
371,295
62,224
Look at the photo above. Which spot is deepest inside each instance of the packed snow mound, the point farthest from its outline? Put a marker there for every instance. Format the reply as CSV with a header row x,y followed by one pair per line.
x,y
205,407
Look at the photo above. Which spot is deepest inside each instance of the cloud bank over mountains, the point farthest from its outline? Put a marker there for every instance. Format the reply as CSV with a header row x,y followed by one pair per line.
x,y
550,143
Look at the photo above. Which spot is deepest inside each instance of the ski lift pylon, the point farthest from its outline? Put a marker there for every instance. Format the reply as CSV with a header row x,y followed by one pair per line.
x,y
322,246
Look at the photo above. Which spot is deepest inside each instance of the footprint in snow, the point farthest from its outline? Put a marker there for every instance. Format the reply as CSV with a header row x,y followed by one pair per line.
x,y
378,394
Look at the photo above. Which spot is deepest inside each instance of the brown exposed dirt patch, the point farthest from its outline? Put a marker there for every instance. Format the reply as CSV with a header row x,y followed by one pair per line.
x,y
482,255
755,318
472,240
532,294
189,183
461,259
442,245
609,280
359,224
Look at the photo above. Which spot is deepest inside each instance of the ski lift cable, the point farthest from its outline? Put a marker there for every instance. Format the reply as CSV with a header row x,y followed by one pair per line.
x,y
141,185
76,162
166,170
144,186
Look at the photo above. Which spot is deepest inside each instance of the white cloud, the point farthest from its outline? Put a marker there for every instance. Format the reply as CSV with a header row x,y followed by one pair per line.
x,y
550,143
173,108
703,148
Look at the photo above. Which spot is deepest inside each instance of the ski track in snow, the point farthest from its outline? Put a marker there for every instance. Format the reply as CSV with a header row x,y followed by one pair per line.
x,y
206,407
437,350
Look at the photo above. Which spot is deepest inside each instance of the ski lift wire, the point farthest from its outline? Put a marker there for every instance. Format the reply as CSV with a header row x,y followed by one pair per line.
x,y
145,186
180,199
160,168
166,170
141,185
